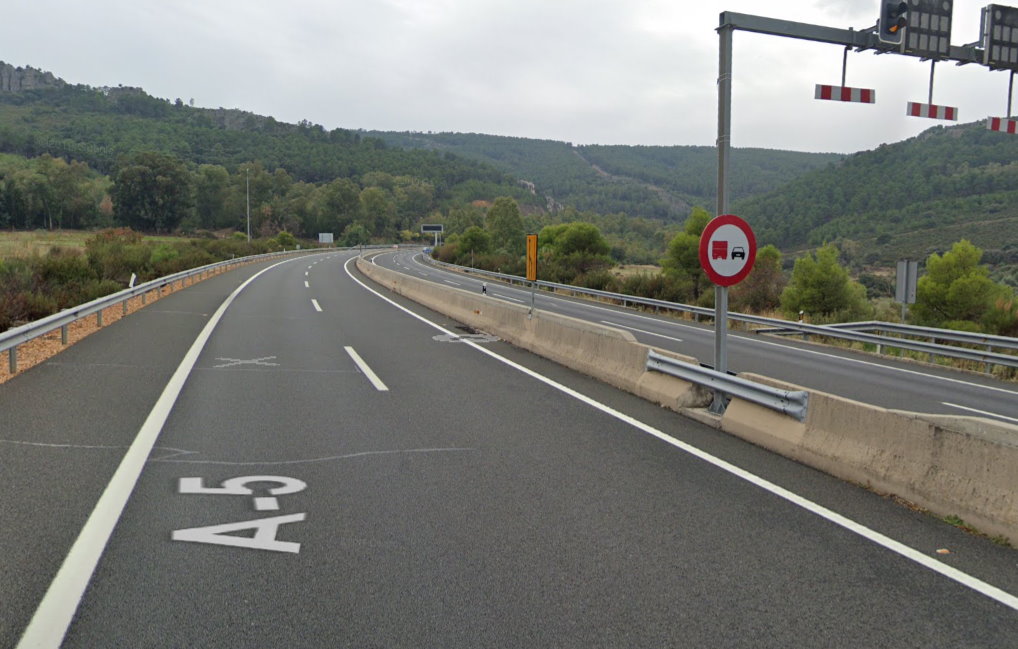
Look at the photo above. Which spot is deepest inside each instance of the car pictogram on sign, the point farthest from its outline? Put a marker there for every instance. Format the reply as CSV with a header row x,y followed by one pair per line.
x,y
738,252
719,250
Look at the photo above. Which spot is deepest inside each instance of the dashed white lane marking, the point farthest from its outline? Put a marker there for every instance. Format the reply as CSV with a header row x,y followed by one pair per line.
x,y
375,381
642,331
306,284
910,553
453,283
317,306
506,297
979,412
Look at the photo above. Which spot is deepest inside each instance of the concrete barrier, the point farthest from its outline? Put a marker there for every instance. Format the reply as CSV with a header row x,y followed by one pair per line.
x,y
961,466
605,353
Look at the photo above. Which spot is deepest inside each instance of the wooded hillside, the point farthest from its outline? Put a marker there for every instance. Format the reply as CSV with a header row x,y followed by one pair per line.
x,y
907,199
659,182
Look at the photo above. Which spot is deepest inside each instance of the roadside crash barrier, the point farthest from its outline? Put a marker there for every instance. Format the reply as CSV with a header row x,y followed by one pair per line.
x,y
960,466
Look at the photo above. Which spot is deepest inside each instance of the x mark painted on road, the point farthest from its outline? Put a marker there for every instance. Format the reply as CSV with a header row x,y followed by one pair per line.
x,y
230,362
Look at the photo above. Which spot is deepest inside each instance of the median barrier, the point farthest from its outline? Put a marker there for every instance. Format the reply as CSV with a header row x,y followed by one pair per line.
x,y
952,466
605,353
960,466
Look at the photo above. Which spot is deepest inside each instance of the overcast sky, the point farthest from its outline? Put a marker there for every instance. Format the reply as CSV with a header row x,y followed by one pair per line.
x,y
582,71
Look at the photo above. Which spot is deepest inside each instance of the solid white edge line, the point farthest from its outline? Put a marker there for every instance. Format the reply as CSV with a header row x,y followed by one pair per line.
x,y
55,612
981,412
315,304
368,372
963,578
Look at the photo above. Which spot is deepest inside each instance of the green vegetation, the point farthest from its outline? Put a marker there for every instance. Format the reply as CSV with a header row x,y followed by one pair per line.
x,y
821,288
908,199
80,157
682,263
655,182
38,285
956,292
143,162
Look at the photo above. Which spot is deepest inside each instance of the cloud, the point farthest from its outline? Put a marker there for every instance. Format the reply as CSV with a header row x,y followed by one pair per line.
x,y
589,71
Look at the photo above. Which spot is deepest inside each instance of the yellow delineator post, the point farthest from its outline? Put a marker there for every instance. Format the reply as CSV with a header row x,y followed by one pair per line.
x,y
531,257
532,267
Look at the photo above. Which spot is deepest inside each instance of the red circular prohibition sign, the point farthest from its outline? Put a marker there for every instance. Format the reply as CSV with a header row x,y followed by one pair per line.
x,y
727,250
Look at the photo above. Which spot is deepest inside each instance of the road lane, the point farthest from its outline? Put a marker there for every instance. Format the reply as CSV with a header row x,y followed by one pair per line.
x,y
864,377
68,422
472,505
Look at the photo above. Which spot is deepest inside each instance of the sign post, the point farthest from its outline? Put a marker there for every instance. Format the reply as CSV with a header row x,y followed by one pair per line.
x,y
436,228
532,268
727,253
905,286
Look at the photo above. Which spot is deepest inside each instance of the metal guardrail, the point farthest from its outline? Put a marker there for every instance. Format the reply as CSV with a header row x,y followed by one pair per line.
x,y
10,339
933,334
988,357
789,402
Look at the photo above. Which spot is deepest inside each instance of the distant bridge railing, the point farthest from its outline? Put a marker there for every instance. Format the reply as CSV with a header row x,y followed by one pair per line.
x,y
856,332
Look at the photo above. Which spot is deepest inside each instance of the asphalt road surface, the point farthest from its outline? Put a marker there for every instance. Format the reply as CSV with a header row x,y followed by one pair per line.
x,y
309,461
869,378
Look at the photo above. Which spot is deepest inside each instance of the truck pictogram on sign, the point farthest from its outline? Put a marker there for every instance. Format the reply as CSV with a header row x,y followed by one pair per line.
x,y
727,250
719,250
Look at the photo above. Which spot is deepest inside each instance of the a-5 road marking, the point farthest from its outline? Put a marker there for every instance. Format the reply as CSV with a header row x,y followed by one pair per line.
x,y
56,610
965,579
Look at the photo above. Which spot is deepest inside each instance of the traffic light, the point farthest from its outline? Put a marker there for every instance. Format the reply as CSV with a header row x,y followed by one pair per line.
x,y
893,21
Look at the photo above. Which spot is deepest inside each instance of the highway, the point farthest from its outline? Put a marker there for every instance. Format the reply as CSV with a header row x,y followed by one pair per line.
x,y
287,455
877,380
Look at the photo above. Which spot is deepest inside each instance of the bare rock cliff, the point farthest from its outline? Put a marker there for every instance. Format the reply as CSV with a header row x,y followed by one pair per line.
x,y
19,79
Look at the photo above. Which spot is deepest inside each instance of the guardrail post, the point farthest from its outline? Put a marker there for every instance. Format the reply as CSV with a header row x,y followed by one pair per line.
x,y
933,357
99,318
143,296
124,307
63,335
12,359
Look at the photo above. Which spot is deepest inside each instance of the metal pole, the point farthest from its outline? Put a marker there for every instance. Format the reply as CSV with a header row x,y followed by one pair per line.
x,y
1010,93
724,144
247,173
933,67
844,66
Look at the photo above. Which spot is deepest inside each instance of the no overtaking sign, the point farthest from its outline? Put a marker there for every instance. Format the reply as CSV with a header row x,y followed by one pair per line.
x,y
727,250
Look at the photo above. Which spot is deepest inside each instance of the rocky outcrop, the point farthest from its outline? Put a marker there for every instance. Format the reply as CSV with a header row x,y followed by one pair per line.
x,y
19,79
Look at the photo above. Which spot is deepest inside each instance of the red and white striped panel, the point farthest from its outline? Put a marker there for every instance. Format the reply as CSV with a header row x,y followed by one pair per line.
x,y
844,93
1003,124
932,111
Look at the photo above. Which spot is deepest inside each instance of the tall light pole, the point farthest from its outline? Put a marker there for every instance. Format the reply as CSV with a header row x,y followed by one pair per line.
x,y
247,174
